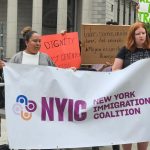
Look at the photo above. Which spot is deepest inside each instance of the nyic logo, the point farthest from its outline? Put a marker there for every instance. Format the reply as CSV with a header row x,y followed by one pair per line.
x,y
24,107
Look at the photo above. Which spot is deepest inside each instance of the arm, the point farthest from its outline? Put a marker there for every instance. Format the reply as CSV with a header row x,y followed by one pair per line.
x,y
119,60
118,64
2,64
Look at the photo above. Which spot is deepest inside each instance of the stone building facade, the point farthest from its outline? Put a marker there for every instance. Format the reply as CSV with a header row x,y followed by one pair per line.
x,y
52,16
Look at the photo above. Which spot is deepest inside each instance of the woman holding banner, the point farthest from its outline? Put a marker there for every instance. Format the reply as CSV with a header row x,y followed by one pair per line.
x,y
31,54
137,47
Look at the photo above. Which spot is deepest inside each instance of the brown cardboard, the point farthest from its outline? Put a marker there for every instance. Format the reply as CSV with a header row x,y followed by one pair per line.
x,y
100,43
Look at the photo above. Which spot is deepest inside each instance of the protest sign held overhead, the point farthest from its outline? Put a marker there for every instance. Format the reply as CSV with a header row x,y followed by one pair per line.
x,y
144,11
100,43
63,49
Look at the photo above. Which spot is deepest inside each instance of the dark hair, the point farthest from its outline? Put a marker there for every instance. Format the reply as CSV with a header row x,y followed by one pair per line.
x,y
27,33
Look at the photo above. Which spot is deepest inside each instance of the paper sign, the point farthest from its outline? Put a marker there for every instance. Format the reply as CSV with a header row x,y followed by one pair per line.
x,y
100,43
62,49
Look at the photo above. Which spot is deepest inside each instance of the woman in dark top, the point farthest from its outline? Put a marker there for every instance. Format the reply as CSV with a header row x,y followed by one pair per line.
x,y
130,57
137,47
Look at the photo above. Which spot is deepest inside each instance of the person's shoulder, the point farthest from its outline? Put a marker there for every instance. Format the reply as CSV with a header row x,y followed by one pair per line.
x,y
43,54
17,57
124,48
19,53
122,52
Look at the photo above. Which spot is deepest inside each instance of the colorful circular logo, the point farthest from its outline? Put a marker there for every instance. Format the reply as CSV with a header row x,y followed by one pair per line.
x,y
24,107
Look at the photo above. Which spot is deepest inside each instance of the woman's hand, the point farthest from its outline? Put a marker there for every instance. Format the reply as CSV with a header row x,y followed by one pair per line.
x,y
2,64
73,68
63,32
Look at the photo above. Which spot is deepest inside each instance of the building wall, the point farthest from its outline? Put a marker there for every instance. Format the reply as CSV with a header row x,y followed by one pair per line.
x,y
3,20
86,11
127,13
121,13
24,17
110,10
49,11
132,13
103,11
115,10
98,11
78,16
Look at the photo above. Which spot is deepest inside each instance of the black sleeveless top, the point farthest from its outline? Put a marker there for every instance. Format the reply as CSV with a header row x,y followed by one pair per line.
x,y
130,57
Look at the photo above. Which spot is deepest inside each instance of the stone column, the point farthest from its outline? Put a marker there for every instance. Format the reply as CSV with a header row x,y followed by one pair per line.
x,y
86,11
62,15
11,37
37,15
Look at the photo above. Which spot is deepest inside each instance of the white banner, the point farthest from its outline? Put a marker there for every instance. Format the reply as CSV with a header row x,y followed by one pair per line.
x,y
47,107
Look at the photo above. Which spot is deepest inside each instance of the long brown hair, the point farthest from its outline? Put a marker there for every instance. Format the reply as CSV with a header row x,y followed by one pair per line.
x,y
130,43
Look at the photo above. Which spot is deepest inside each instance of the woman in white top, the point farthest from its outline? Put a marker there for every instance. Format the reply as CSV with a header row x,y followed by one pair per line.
x,y
31,54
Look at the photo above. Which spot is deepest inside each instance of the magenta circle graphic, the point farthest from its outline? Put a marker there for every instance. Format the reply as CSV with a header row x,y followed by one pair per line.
x,y
31,107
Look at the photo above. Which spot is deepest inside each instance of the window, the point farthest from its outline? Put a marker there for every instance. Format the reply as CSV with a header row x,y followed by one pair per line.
x,y
49,18
71,15
112,8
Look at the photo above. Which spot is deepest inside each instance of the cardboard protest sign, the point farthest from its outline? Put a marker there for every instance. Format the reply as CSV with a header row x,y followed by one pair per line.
x,y
63,49
144,11
100,43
